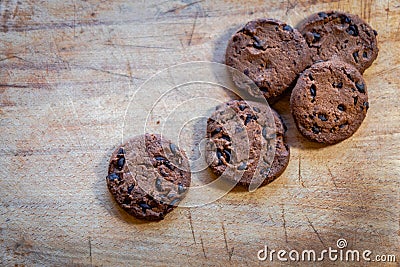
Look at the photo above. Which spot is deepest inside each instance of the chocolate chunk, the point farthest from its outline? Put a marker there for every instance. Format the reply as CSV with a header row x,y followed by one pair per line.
x,y
313,90
113,176
158,184
258,43
338,85
360,87
227,155
181,188
144,206
322,15
173,148
316,37
322,117
355,56
242,166
121,151
350,77
341,107
355,100
130,188
345,19
226,137
120,163
174,202
316,129
352,30
287,28
248,119
216,131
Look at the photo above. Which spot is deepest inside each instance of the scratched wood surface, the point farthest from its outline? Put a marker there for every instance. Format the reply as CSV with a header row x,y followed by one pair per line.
x,y
67,70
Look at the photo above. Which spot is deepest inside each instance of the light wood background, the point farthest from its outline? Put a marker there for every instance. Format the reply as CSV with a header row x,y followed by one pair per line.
x,y
67,70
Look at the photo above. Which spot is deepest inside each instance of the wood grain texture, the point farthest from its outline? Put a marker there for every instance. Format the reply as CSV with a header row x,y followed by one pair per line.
x,y
67,70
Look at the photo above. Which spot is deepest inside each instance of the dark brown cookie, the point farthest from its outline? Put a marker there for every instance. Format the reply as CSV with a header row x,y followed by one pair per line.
x,y
269,52
329,101
148,176
342,36
251,145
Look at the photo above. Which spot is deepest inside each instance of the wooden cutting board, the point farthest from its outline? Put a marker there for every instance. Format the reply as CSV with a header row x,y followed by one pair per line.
x,y
68,70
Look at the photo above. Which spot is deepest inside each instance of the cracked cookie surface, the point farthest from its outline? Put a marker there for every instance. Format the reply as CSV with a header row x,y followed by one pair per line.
x,y
341,36
252,145
271,53
329,102
148,176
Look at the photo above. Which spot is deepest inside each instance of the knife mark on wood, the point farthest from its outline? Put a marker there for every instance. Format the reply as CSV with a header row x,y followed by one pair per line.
x,y
74,21
17,57
57,53
194,25
13,85
284,224
331,175
128,69
230,252
15,10
398,31
270,217
90,251
300,177
315,231
387,11
108,72
202,247
290,6
191,226
180,8
63,25
138,46
387,70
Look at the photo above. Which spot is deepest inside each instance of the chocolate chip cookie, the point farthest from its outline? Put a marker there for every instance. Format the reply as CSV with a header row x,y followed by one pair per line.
x,y
329,101
271,53
342,36
245,140
148,176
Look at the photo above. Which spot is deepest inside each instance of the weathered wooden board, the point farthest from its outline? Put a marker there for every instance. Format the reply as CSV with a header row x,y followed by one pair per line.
x,y
67,72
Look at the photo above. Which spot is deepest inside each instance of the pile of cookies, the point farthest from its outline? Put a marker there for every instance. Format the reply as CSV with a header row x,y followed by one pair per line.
x,y
322,61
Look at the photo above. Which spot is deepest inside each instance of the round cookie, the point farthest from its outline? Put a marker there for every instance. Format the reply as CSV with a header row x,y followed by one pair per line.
x,y
329,101
261,151
342,36
148,176
271,53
